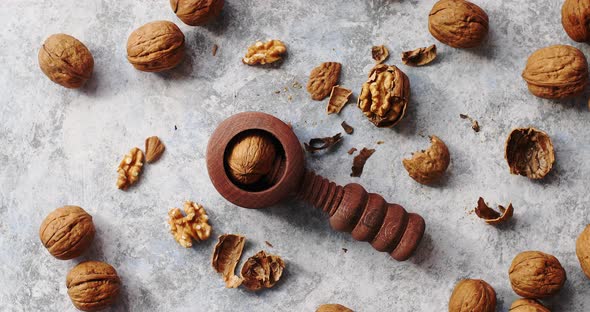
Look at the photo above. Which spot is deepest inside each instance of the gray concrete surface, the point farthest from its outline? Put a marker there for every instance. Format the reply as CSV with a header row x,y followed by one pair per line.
x,y
62,147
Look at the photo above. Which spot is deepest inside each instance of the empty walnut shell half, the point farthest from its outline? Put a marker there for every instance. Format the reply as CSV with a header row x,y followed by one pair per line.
x,y
93,285
262,271
67,232
385,96
536,275
458,23
527,305
197,12
583,250
529,152
66,61
333,307
156,46
226,255
474,296
575,18
427,167
556,72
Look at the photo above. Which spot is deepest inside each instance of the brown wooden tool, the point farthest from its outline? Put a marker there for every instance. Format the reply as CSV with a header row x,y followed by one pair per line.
x,y
367,216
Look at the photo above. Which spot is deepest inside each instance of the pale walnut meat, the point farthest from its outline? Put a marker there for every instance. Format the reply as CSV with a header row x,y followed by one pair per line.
x,y
93,285
458,23
529,152
67,232
66,61
251,158
261,53
385,96
427,167
226,255
527,305
536,275
197,12
130,168
583,250
156,46
322,79
333,307
262,271
474,296
154,148
575,18
556,72
194,226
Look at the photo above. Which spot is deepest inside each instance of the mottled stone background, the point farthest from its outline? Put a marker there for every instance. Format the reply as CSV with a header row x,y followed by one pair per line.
x,y
62,147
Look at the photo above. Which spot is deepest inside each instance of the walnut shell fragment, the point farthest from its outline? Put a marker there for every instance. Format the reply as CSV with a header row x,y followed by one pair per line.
x,y
194,226
226,255
66,61
385,96
491,216
529,152
156,46
197,12
93,285
261,53
251,158
427,167
338,99
322,79
262,271
318,144
347,128
458,23
67,232
556,72
154,148
130,168
379,53
583,250
536,275
358,163
419,57
474,296
575,18
527,305
334,307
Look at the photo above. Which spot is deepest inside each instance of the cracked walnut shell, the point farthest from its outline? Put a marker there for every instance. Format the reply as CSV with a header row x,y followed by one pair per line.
x,y
262,271
536,275
385,96
265,52
193,226
67,232
197,12
322,79
251,158
93,285
458,23
66,61
583,250
529,152
556,72
474,296
226,255
527,305
130,168
156,46
426,167
334,307
575,18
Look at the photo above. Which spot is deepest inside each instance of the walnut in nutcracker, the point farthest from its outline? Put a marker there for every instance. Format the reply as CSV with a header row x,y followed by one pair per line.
x,y
458,23
575,18
197,12
527,305
385,96
93,285
251,157
67,232
66,61
536,275
556,72
156,46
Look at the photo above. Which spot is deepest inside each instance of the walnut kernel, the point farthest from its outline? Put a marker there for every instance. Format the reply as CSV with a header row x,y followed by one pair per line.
x,y
474,296
193,226
458,23
265,52
130,168
583,250
93,285
67,232
529,152
153,149
197,12
322,79
333,308
426,167
536,275
156,46
226,255
262,271
66,61
575,18
251,158
527,305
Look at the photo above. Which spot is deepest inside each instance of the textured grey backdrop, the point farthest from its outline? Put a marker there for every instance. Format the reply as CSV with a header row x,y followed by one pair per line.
x,y
62,147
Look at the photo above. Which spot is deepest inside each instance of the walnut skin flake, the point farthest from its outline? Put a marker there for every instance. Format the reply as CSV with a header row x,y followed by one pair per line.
x,y
318,144
338,99
379,53
491,216
529,152
322,79
419,57
193,226
226,255
130,168
426,167
262,53
262,271
358,163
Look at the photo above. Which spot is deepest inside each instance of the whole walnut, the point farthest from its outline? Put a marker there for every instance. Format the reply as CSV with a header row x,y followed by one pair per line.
x,y
93,285
156,46
458,23
527,305
575,18
333,307
555,72
66,61
197,12
67,232
251,158
474,296
536,275
583,250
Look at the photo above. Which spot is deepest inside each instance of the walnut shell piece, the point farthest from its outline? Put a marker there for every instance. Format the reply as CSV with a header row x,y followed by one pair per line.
x,y
458,23
66,61
474,296
427,167
93,285
251,158
226,255
385,96
575,18
556,72
420,56
130,168
262,271
156,46
333,307
338,99
193,226
583,250
491,216
379,53
197,12
322,79
67,232
154,148
529,152
527,305
536,275
262,53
